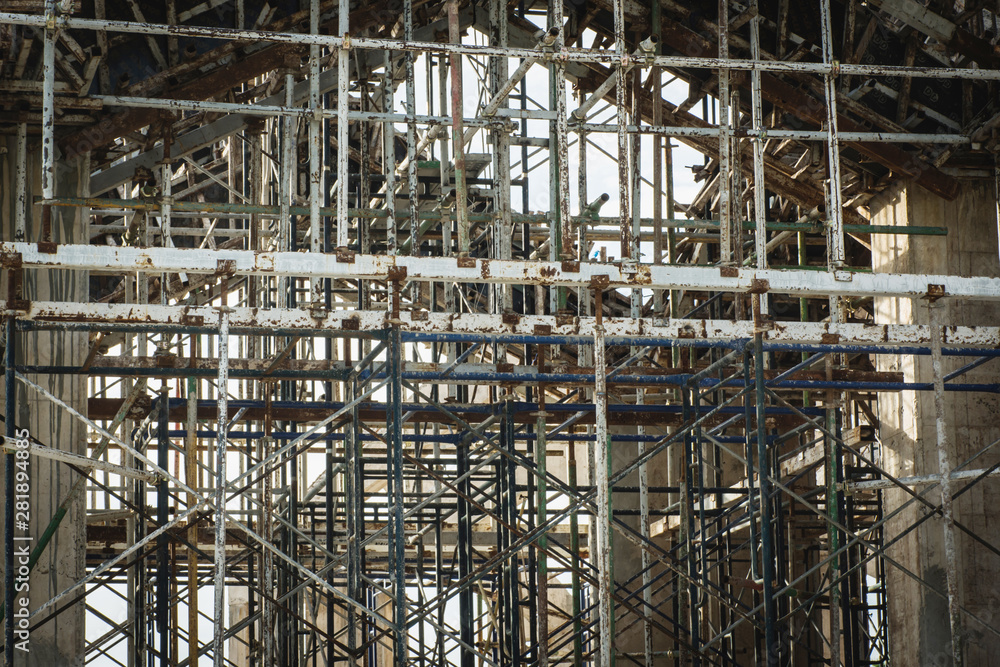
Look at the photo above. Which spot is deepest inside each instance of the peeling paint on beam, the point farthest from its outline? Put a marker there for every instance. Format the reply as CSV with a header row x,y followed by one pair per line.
x,y
485,271
563,329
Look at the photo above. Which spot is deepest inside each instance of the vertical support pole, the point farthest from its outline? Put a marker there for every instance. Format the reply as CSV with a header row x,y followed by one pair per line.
x,y
832,465
751,448
771,647
397,540
295,607
21,188
945,466
315,153
220,485
10,409
688,595
605,575
621,69
541,426
135,286
835,227
668,163
438,550
759,200
353,492
635,182
800,242
389,156
501,161
286,189
512,566
48,117
267,507
191,479
585,352
162,542
343,101
166,211
254,174
49,107
561,232
465,611
647,575
458,132
727,242
574,540
411,131
558,74
658,140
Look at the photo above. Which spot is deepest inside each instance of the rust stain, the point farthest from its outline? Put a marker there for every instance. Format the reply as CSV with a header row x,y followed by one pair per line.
x,y
642,275
600,282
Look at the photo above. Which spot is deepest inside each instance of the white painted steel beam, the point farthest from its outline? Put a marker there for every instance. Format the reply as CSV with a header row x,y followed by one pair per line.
x,y
469,270
359,322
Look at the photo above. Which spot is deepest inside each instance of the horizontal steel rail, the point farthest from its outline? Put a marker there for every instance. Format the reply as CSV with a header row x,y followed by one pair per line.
x,y
497,271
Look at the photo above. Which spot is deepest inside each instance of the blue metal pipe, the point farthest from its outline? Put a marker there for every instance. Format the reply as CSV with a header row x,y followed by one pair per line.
x,y
735,344
534,378
424,337
518,407
453,439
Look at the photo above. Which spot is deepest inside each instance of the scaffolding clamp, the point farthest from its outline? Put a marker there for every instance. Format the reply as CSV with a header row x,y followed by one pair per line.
x,y
934,292
600,282
225,267
843,276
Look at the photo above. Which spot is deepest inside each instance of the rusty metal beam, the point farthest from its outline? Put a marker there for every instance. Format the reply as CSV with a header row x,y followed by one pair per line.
x,y
125,260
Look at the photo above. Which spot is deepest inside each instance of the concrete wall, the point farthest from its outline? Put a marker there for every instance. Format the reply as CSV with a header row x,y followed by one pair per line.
x,y
60,641
919,627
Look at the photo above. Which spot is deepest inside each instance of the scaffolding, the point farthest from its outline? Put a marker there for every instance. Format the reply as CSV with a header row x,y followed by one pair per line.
x,y
369,379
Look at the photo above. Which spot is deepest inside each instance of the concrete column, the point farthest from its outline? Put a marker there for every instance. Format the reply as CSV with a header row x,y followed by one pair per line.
x,y
918,618
629,628
60,641
239,608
